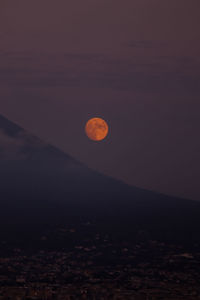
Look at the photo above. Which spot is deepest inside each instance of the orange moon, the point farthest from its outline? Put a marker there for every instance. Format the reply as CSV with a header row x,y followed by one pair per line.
x,y
96,129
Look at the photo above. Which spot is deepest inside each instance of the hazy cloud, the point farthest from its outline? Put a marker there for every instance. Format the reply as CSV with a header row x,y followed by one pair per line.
x,y
165,74
10,147
145,44
15,147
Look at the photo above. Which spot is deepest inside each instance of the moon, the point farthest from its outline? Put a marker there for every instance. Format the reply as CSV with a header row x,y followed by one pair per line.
x,y
96,129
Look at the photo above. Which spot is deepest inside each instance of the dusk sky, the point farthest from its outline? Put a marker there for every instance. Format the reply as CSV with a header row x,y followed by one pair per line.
x,y
135,63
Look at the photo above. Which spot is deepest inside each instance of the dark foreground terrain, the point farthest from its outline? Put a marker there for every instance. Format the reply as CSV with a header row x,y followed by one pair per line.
x,y
85,262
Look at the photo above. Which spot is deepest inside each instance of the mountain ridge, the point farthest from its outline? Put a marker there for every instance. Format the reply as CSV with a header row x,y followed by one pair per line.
x,y
47,186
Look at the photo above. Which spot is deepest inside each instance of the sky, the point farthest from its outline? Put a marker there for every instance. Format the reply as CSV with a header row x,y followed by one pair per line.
x,y
134,63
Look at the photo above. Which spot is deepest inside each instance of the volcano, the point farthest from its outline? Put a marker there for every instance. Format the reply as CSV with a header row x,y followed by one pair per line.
x,y
40,184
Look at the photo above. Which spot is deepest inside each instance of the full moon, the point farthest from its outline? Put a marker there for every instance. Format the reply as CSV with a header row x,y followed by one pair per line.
x,y
96,129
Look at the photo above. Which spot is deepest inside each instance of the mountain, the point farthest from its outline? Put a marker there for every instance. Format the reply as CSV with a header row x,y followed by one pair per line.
x,y
40,184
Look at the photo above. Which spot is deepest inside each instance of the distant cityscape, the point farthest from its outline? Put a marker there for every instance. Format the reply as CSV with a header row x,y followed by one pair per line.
x,y
99,268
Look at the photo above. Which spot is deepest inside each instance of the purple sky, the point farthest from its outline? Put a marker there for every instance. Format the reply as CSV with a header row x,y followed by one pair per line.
x,y
134,63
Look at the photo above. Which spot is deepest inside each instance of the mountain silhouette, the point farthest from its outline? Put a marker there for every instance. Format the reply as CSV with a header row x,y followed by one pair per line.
x,y
40,184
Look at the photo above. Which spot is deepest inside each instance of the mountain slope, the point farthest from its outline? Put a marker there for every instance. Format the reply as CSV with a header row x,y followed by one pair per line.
x,y
42,185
